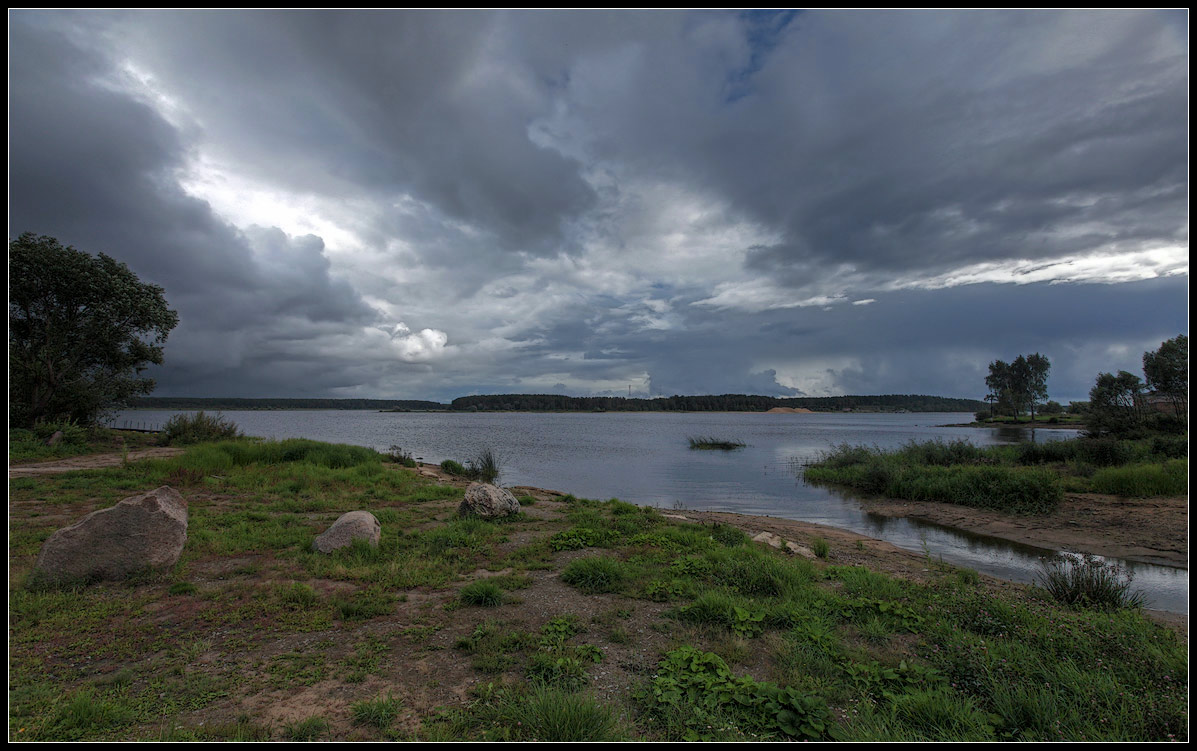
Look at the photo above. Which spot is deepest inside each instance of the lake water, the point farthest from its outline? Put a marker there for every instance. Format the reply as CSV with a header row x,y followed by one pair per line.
x,y
645,458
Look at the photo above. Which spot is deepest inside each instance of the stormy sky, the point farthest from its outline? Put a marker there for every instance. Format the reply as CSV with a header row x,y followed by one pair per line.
x,y
425,205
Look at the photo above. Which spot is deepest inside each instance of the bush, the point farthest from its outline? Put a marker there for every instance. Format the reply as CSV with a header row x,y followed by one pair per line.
x,y
399,456
453,468
482,594
595,575
484,467
199,428
73,434
1088,581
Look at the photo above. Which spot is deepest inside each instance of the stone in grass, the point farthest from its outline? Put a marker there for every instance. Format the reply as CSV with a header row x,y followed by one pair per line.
x,y
355,525
141,533
770,539
488,502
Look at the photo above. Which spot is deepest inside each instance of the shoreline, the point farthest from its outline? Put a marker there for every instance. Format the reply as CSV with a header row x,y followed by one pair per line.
x,y
850,548
1032,426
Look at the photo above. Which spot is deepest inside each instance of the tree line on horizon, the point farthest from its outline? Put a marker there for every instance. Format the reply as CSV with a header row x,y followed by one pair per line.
x,y
562,403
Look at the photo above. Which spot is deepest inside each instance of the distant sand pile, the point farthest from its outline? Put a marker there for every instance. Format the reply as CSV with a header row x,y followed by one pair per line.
x,y
791,411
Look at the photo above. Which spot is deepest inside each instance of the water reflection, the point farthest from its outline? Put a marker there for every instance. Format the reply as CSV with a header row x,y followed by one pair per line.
x,y
1163,587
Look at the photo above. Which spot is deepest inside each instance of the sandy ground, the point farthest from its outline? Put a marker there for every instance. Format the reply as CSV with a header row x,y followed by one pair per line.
x,y
1150,530
89,461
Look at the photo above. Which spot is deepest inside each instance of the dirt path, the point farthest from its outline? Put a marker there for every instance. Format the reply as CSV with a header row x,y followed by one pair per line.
x,y
90,461
1147,530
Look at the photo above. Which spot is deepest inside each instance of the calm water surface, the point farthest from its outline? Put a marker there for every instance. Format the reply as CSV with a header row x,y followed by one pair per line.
x,y
645,458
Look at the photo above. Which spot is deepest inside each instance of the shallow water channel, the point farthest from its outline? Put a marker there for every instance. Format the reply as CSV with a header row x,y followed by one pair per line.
x,y
645,458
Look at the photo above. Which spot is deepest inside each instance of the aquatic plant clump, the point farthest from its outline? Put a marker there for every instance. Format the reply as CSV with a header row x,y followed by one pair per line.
x,y
710,443
1088,581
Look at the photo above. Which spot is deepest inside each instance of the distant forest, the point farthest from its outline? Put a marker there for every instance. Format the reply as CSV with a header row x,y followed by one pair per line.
x,y
173,402
558,403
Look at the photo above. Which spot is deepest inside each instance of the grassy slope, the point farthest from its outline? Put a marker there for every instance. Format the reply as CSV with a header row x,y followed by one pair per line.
x,y
578,619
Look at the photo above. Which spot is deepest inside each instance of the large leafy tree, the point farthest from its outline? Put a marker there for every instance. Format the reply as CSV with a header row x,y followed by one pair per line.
x,y
82,329
1115,404
1018,386
1167,372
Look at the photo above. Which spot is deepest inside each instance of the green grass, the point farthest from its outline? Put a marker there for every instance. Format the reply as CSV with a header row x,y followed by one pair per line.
x,y
379,713
309,729
483,594
833,651
595,575
1028,478
185,429
1088,581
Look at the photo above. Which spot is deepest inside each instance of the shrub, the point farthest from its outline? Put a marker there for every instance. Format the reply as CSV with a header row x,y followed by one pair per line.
x,y
695,692
484,594
453,468
199,428
380,712
552,714
399,456
1088,581
306,730
484,467
567,673
820,547
73,434
595,575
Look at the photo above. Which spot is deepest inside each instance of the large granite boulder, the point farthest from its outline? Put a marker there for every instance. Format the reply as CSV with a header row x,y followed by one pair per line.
x,y
142,532
488,502
355,525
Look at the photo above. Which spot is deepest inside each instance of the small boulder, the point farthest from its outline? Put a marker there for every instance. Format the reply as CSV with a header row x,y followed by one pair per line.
x,y
54,439
488,502
355,525
769,539
801,550
141,532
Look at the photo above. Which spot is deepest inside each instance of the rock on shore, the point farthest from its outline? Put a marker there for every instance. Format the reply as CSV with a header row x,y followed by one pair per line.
x,y
488,502
355,525
141,532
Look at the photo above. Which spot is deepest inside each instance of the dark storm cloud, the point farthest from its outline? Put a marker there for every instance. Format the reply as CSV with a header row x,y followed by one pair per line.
x,y
684,202
95,168
922,140
381,102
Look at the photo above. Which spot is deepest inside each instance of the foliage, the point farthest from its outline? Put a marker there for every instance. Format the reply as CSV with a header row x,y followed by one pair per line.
x,y
696,693
947,473
820,547
379,713
453,468
1018,386
184,429
1116,404
1088,581
484,467
397,455
595,575
482,594
81,331
1167,372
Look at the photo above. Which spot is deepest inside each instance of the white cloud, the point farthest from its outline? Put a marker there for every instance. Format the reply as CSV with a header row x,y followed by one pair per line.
x,y
426,345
